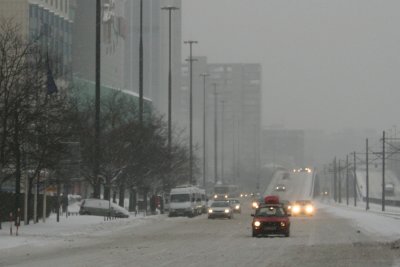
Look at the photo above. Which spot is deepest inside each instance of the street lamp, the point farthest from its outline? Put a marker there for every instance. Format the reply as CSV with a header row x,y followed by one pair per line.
x,y
169,9
215,134
191,110
204,75
222,140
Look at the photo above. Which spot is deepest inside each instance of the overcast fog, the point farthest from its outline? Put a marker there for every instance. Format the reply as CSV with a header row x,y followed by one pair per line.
x,y
326,64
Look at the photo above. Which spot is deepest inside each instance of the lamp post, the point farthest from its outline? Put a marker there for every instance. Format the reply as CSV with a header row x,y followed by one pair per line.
x,y
97,102
190,43
204,76
141,66
169,9
222,140
215,134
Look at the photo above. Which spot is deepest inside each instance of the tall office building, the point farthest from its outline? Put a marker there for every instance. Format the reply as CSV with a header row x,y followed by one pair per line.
x,y
113,35
48,22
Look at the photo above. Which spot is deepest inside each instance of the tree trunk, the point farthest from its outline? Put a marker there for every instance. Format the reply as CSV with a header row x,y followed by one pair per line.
x,y
121,195
132,199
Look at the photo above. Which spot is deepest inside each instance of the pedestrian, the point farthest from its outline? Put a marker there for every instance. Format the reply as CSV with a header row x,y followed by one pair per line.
x,y
17,220
11,222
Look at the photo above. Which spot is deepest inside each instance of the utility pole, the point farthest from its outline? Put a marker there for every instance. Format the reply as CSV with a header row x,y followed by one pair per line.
x,y
169,9
215,134
340,184
204,75
367,178
191,110
383,171
334,180
347,180
141,68
355,179
222,141
96,193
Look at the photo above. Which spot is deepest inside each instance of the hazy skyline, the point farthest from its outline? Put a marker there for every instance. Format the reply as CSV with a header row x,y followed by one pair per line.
x,y
326,64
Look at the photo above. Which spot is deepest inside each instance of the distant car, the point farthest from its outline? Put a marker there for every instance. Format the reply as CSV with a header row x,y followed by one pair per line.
x,y
389,189
101,207
270,219
280,188
286,176
220,209
235,204
287,206
303,207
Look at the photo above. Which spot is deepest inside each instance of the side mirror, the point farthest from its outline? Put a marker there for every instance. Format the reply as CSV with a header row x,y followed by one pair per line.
x,y
252,215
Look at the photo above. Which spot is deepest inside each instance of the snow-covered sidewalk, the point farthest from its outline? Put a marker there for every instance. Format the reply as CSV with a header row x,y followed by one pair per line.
x,y
376,223
74,226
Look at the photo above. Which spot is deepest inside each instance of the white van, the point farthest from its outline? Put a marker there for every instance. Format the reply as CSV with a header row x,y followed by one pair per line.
x,y
186,201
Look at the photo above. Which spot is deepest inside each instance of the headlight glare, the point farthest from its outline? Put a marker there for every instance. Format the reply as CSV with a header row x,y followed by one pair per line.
x,y
210,211
309,209
257,224
226,210
296,209
237,207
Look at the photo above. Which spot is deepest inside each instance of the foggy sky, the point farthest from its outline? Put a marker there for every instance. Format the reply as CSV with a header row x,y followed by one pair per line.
x,y
327,64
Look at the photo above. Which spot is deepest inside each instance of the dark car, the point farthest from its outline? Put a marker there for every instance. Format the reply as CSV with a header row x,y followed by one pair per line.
x,y
287,206
270,219
235,204
280,188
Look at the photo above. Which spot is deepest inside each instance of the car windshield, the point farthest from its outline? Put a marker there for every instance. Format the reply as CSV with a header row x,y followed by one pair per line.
x,y
180,198
220,204
270,211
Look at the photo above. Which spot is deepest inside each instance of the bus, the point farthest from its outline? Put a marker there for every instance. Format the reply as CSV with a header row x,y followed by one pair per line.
x,y
225,191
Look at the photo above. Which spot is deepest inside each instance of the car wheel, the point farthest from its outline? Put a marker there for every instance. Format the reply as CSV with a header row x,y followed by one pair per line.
x,y
287,234
253,234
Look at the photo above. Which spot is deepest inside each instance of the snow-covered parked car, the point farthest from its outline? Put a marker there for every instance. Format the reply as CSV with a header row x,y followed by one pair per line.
x,y
101,207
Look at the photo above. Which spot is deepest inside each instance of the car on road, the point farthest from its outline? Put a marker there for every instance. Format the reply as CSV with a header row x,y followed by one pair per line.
x,y
101,207
287,206
280,188
235,204
303,207
270,219
220,209
286,176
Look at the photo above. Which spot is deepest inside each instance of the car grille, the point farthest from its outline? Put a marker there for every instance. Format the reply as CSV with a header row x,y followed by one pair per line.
x,y
271,225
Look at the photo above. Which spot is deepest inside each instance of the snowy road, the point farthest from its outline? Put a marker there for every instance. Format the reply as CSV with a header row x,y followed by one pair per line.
x,y
324,240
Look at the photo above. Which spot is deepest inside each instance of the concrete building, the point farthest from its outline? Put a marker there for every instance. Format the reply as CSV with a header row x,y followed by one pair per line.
x,y
48,22
239,99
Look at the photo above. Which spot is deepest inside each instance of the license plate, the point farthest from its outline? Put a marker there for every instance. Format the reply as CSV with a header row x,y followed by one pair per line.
x,y
270,228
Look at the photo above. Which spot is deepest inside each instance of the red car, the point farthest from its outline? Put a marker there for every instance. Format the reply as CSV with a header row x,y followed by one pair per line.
x,y
270,218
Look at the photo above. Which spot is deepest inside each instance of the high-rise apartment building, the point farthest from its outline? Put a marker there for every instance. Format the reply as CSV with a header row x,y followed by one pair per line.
x,y
238,118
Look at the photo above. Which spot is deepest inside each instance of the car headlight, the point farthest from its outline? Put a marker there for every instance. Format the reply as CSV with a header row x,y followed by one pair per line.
x,y
237,207
257,224
296,209
226,196
255,205
283,188
215,196
226,210
283,224
289,207
210,211
309,209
